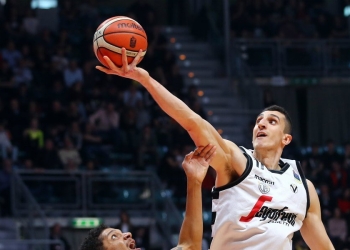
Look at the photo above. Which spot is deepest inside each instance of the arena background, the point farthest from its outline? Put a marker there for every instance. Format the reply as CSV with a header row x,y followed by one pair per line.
x,y
80,148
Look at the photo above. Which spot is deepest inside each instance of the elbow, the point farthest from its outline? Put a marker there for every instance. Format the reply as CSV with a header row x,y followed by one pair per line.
x,y
194,122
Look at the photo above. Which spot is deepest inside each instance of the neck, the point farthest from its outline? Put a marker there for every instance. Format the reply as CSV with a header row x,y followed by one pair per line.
x,y
269,158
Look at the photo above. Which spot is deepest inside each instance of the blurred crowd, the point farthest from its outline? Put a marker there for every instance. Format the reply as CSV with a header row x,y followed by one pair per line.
x,y
291,19
57,112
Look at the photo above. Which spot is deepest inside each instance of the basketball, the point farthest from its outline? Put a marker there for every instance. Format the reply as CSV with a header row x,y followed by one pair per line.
x,y
114,34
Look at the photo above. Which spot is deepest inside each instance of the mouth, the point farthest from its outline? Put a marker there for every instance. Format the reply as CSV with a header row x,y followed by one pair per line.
x,y
261,134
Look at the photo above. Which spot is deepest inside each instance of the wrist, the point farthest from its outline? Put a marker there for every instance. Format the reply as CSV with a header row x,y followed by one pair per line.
x,y
191,182
144,76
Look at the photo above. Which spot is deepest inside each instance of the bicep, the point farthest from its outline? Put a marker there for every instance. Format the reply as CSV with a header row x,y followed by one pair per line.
x,y
313,230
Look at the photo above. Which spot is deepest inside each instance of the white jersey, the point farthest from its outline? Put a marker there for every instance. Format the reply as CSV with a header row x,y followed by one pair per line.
x,y
261,209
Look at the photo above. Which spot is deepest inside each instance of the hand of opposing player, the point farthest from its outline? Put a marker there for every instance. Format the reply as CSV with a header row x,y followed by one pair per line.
x,y
127,70
196,163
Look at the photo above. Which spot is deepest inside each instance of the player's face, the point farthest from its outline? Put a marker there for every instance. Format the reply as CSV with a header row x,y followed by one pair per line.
x,y
268,132
114,239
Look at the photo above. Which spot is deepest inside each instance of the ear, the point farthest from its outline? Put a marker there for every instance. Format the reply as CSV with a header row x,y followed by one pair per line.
x,y
287,138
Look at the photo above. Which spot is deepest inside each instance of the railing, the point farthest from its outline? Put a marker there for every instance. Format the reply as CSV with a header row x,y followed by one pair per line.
x,y
23,197
273,57
30,244
61,193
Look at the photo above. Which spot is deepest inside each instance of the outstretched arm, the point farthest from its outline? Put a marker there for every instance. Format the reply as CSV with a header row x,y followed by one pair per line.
x,y
313,230
196,167
200,130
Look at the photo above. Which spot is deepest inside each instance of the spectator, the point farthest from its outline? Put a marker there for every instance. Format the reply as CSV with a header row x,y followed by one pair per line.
x,y
23,74
92,142
69,155
344,203
337,229
49,157
338,178
327,202
34,139
106,120
6,145
15,120
56,234
59,60
11,54
30,22
124,222
75,135
56,117
7,77
330,155
72,74
147,147
132,96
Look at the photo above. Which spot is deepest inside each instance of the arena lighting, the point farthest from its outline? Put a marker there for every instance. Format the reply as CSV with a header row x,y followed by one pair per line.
x,y
182,57
172,40
86,222
347,11
190,74
43,4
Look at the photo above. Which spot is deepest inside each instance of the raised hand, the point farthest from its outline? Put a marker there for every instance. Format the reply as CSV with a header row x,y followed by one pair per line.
x,y
127,70
196,163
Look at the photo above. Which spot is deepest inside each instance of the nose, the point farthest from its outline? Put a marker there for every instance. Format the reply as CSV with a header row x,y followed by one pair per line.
x,y
261,124
127,235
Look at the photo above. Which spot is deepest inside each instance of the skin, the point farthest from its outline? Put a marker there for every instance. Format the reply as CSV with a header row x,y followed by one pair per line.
x,y
114,239
229,161
191,232
196,168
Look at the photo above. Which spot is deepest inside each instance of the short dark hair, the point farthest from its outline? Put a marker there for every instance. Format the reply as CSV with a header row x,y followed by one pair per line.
x,y
92,241
288,127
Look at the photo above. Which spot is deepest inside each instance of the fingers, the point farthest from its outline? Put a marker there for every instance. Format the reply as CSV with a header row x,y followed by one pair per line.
x,y
189,156
103,69
124,60
136,59
111,65
210,155
205,150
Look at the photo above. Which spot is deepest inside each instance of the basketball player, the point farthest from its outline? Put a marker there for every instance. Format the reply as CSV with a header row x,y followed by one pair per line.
x,y
259,199
196,166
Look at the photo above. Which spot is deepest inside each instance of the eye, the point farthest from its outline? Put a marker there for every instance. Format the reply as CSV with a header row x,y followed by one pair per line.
x,y
273,122
114,237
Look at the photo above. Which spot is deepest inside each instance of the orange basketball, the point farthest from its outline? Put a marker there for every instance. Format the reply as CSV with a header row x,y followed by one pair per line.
x,y
114,34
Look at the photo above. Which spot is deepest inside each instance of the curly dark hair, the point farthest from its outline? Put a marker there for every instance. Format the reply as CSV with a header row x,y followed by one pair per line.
x,y
92,241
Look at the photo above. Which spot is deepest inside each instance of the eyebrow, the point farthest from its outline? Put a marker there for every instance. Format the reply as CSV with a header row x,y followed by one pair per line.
x,y
269,115
113,230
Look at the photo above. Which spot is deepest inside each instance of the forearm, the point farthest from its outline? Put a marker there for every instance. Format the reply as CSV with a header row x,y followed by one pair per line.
x,y
170,104
191,232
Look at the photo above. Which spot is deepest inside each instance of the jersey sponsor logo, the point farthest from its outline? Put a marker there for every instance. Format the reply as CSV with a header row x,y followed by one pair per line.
x,y
264,180
276,215
264,188
294,188
262,199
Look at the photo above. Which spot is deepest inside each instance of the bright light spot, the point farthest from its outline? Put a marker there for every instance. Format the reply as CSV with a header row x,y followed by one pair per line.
x,y
220,131
172,40
182,57
210,112
200,93
190,74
